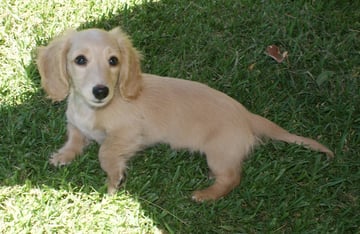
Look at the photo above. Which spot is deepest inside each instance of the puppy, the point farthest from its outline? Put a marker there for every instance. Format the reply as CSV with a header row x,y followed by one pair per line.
x,y
113,103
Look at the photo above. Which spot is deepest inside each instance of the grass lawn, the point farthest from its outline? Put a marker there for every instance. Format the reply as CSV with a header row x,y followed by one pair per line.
x,y
285,188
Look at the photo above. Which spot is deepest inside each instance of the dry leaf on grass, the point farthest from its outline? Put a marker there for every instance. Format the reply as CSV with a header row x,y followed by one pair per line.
x,y
274,52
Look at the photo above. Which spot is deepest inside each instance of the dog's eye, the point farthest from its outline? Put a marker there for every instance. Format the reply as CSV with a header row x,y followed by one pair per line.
x,y
81,60
113,61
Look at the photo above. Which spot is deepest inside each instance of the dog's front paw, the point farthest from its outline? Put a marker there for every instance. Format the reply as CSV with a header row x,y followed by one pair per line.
x,y
61,159
114,185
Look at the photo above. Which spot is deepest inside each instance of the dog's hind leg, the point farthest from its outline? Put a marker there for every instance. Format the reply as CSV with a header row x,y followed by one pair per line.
x,y
224,158
226,175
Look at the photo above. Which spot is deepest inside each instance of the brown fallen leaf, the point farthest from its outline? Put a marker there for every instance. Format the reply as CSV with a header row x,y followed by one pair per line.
x,y
274,52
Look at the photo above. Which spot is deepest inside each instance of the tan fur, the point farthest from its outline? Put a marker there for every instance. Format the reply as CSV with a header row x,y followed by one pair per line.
x,y
143,109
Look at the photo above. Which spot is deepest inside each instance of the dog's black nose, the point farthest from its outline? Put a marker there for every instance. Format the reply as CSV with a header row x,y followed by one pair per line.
x,y
100,92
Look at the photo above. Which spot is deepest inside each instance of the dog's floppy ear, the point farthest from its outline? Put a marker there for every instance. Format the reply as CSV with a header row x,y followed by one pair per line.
x,y
130,79
51,62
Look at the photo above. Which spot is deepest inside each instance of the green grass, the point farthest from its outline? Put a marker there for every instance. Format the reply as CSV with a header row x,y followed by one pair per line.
x,y
285,188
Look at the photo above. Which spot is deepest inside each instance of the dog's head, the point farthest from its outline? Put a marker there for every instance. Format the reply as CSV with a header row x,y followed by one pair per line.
x,y
94,64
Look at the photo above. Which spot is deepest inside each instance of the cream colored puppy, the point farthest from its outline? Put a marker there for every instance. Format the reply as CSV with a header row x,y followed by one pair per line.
x,y
112,102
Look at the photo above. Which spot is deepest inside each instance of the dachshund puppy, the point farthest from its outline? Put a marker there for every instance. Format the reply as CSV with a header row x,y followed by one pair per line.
x,y
113,103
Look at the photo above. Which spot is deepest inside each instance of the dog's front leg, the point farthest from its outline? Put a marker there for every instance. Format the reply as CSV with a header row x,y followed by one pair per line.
x,y
74,145
113,155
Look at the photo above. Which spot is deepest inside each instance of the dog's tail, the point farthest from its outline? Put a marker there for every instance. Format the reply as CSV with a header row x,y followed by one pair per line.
x,y
265,128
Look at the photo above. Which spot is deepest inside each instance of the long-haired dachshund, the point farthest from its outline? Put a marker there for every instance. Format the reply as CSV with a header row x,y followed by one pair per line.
x,y
124,110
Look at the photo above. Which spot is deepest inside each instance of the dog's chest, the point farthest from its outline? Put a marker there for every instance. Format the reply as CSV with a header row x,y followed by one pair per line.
x,y
84,119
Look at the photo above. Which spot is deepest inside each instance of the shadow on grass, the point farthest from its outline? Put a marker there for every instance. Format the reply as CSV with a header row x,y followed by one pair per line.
x,y
171,35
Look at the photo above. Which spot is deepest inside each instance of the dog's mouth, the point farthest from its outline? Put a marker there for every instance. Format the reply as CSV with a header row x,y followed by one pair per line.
x,y
99,103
